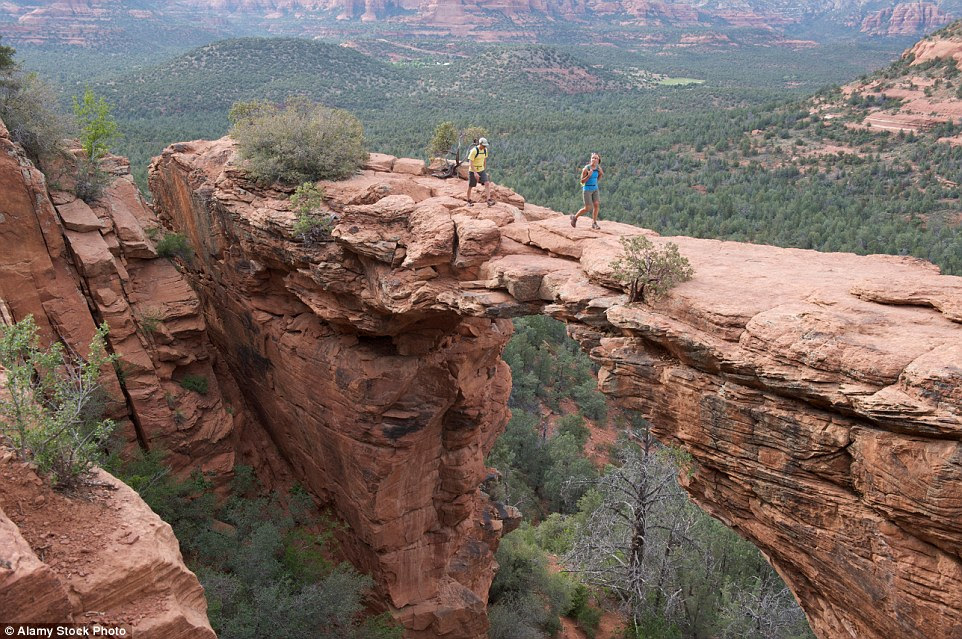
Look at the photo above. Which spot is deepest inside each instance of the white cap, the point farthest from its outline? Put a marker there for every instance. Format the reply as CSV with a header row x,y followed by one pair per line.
x,y
483,141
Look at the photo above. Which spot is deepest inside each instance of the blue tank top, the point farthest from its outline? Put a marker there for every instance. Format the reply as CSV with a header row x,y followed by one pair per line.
x,y
591,184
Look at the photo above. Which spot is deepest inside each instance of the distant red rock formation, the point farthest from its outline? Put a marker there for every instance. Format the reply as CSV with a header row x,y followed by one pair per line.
x,y
906,18
77,21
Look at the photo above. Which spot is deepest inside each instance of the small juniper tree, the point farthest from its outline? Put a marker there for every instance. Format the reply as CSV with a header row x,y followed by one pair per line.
x,y
50,410
97,127
449,139
650,272
445,137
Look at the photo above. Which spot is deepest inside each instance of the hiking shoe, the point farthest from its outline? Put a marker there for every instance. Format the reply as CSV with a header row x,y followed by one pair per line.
x,y
595,226
470,203
490,202
574,220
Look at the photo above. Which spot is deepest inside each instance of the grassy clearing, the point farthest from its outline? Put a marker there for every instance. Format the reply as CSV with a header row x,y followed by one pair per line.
x,y
678,82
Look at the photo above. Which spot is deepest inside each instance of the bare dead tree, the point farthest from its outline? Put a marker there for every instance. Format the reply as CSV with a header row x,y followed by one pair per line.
x,y
631,544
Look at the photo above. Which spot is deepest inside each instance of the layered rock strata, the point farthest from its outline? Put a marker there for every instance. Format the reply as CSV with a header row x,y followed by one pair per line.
x,y
383,406
906,19
819,394
74,265
105,559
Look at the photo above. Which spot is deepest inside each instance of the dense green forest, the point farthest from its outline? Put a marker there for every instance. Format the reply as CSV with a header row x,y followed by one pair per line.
x,y
699,581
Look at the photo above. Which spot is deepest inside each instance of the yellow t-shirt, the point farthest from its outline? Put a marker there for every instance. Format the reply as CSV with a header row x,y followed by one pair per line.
x,y
478,159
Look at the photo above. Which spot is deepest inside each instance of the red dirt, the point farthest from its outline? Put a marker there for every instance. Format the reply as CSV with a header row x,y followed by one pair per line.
x,y
63,529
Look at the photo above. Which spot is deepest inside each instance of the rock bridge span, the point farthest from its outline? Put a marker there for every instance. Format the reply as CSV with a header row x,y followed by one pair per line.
x,y
820,395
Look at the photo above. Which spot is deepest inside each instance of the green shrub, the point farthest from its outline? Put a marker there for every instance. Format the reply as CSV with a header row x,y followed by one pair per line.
x,y
312,225
196,383
523,588
299,142
445,137
97,126
28,109
51,411
149,320
587,616
650,272
91,180
174,245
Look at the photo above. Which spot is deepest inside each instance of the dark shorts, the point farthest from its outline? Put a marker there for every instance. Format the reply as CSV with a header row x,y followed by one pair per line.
x,y
591,197
473,181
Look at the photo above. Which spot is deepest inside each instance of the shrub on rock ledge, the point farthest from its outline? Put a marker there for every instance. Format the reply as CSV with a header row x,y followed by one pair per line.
x,y
297,142
51,402
648,271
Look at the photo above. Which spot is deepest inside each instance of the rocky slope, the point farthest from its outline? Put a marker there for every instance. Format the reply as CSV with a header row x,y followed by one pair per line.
x,y
105,558
916,93
819,394
72,266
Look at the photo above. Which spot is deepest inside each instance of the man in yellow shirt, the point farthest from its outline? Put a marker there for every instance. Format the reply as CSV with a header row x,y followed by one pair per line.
x,y
478,170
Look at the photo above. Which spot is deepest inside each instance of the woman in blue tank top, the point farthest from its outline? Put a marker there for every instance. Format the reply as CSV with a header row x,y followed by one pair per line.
x,y
590,175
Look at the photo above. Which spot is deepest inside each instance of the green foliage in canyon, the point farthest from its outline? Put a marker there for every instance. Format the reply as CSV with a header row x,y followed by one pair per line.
x,y
693,577
267,561
52,402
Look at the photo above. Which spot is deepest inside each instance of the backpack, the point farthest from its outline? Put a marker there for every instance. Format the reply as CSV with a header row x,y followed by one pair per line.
x,y
478,149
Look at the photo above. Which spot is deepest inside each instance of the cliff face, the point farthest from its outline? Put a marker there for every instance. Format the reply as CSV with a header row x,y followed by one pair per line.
x,y
72,266
819,394
383,406
905,19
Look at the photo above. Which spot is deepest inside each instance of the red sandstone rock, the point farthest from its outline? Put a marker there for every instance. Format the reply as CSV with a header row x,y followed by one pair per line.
x,y
478,239
409,166
113,261
29,589
818,393
106,558
380,162
906,18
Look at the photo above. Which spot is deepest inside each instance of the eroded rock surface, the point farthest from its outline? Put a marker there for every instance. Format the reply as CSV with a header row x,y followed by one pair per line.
x,y
74,265
104,557
820,395
906,18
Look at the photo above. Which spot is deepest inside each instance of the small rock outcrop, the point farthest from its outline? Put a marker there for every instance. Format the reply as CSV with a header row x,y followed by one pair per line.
x,y
819,394
105,558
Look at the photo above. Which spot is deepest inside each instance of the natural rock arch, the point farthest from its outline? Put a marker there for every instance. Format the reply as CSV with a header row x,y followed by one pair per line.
x,y
819,394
